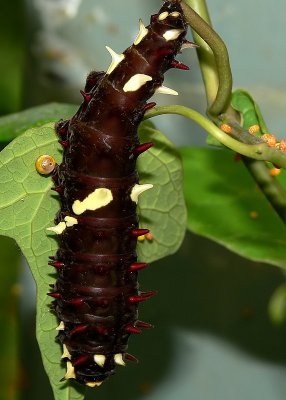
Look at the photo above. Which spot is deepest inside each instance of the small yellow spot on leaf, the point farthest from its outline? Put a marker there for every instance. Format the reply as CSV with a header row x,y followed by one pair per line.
x,y
149,237
45,164
253,214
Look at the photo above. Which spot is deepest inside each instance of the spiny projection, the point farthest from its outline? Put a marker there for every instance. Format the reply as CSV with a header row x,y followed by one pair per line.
x,y
96,294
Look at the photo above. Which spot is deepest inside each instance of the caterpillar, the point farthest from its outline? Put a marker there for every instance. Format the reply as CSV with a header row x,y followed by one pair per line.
x,y
96,294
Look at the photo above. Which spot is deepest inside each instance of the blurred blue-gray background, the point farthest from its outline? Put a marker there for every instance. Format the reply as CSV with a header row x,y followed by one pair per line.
x,y
213,338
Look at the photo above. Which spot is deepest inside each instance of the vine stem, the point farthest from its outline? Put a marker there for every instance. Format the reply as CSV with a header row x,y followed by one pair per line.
x,y
260,151
271,187
216,71
213,57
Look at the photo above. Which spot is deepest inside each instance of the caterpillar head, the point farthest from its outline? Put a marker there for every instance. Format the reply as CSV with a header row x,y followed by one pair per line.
x,y
170,14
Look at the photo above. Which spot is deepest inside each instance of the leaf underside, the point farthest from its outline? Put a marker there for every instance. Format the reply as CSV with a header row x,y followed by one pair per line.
x,y
225,205
28,207
250,114
12,125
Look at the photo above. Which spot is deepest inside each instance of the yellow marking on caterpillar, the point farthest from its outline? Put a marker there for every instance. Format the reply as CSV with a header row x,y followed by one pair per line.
x,y
172,34
93,384
142,33
136,82
116,59
163,16
70,374
138,189
58,229
70,221
61,326
66,353
101,197
99,359
118,358
166,90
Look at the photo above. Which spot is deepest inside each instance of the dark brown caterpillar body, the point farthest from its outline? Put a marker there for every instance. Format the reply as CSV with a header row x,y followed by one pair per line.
x,y
96,292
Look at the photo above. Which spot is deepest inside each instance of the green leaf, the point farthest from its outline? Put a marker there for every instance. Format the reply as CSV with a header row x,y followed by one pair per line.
x,y
225,205
28,207
13,125
277,305
250,112
211,141
161,209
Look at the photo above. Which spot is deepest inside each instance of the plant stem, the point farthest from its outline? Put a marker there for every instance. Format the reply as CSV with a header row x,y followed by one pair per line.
x,y
217,78
270,186
213,57
259,151
205,54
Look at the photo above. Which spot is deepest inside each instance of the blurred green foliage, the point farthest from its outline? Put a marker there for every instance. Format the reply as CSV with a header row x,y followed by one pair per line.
x,y
9,293
12,45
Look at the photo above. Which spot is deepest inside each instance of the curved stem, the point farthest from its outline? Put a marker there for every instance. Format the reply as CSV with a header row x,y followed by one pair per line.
x,y
216,73
205,54
218,65
260,151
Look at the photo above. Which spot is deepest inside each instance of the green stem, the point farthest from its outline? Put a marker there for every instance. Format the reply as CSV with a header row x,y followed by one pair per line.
x,y
270,186
216,73
260,151
215,66
205,54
